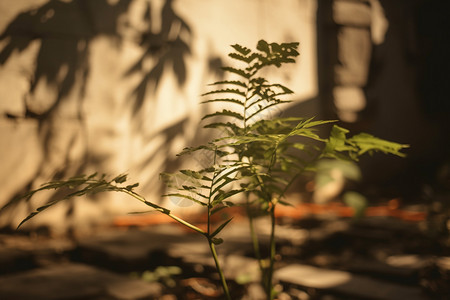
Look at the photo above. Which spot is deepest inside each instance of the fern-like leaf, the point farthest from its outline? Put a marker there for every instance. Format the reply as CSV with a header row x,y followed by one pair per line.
x,y
220,228
367,143
221,196
83,185
184,196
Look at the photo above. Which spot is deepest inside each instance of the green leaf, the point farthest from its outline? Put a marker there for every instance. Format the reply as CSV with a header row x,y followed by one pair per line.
x,y
193,189
337,141
217,188
247,139
38,210
220,228
358,145
349,169
356,201
263,108
179,195
368,143
92,176
225,195
120,178
221,206
223,178
307,133
217,241
310,123
190,150
132,186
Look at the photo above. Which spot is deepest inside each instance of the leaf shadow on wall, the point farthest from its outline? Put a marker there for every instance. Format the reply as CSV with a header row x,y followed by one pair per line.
x,y
65,31
168,47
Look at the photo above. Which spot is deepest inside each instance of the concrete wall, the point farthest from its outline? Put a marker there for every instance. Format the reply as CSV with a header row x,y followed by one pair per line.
x,y
113,86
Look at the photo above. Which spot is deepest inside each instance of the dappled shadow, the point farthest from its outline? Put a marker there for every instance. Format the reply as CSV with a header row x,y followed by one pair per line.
x,y
66,29
168,48
63,33
161,156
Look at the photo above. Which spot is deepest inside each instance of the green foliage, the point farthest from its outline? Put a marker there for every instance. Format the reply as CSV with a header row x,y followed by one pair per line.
x,y
324,168
87,185
356,201
341,147
160,274
266,154
255,156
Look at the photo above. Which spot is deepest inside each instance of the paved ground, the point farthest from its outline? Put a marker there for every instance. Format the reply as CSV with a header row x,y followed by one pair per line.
x,y
332,259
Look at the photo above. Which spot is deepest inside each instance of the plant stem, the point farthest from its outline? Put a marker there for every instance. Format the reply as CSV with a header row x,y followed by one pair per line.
x,y
272,253
163,210
254,236
219,270
272,243
210,242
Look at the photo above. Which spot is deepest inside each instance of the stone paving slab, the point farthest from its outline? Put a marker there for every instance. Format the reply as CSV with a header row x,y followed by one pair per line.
x,y
135,249
384,270
12,260
145,248
346,283
74,281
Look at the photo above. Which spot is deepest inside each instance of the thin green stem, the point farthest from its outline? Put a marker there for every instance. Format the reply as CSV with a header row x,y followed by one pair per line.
x,y
272,243
210,195
206,234
219,269
254,236
272,253
164,211
210,241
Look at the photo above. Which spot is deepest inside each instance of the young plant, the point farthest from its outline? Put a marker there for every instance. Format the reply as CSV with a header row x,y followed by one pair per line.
x,y
255,157
277,150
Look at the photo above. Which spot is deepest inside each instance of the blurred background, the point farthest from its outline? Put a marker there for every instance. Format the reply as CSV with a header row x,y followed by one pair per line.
x,y
113,86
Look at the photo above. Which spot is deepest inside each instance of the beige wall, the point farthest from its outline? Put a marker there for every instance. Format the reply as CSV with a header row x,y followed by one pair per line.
x,y
67,97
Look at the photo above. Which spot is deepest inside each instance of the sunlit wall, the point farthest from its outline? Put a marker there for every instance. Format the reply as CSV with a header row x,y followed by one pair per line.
x,y
114,86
